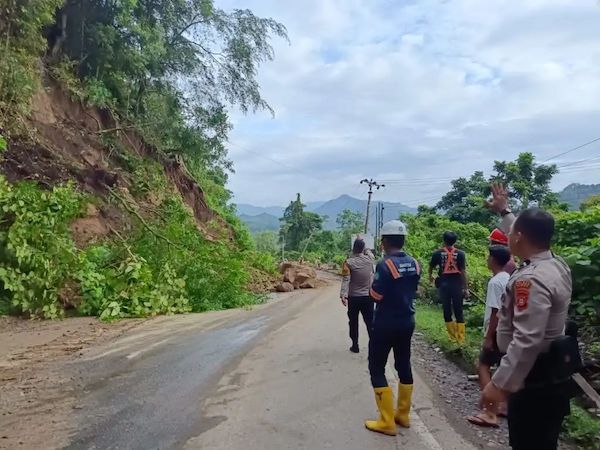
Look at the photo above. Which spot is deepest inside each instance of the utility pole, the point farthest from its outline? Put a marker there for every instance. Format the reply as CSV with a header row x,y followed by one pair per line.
x,y
372,184
378,225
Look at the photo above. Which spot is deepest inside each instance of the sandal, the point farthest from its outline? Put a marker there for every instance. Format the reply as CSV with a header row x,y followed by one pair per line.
x,y
483,420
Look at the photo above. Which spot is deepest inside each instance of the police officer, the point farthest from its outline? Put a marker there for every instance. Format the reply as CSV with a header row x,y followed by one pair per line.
x,y
357,275
394,291
532,315
451,283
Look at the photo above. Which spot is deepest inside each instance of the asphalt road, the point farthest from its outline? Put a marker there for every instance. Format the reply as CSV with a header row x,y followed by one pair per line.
x,y
277,377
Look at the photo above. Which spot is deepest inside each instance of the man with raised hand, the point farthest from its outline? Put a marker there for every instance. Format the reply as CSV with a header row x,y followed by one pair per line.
x,y
357,275
531,320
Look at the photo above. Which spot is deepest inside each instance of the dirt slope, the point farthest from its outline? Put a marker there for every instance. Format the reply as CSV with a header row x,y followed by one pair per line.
x,y
70,142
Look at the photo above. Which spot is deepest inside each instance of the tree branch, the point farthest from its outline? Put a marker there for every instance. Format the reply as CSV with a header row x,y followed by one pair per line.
x,y
193,23
141,219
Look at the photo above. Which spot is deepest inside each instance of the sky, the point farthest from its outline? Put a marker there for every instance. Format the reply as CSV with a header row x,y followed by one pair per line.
x,y
415,94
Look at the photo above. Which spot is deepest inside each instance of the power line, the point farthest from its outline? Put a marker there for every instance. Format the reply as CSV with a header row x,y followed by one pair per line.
x,y
572,150
571,167
578,163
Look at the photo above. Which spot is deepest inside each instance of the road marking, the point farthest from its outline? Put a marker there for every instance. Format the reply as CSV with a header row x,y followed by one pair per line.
x,y
421,429
139,352
416,423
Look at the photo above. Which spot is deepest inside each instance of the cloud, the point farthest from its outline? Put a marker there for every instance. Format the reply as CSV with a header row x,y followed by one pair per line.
x,y
418,92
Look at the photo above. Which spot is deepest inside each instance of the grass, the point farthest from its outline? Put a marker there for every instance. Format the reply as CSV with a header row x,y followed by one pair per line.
x,y
580,426
430,322
583,428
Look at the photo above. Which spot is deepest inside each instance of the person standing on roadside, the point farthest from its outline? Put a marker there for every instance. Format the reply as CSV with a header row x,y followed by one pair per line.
x,y
498,237
357,275
394,291
451,282
532,319
490,356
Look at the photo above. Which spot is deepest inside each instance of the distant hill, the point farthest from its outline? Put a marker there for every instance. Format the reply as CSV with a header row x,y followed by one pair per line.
x,y
333,208
244,209
276,211
261,222
266,218
575,193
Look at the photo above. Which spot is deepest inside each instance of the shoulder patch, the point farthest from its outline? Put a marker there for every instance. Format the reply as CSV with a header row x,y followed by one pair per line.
x,y
522,288
345,269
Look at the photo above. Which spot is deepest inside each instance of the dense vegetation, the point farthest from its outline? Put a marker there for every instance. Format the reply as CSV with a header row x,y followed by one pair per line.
x,y
167,70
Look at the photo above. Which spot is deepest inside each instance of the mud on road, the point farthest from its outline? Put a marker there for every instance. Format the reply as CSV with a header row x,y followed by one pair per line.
x,y
36,392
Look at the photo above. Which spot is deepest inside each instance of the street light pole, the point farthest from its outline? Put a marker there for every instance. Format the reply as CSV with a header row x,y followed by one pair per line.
x,y
372,184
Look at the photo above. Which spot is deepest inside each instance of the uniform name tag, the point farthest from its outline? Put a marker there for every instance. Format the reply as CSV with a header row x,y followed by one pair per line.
x,y
522,294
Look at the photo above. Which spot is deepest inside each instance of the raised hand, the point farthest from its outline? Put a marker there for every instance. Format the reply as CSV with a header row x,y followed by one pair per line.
x,y
499,201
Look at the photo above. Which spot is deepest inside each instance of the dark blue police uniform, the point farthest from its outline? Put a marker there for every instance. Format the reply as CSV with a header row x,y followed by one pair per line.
x,y
394,290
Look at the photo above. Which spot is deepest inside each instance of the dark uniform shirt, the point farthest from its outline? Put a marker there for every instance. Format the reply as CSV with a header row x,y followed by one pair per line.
x,y
394,290
439,259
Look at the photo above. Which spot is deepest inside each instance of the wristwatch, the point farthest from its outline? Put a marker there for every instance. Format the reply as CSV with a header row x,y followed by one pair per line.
x,y
505,211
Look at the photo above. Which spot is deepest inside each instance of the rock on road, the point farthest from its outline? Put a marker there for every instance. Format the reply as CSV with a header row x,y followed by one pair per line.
x,y
278,376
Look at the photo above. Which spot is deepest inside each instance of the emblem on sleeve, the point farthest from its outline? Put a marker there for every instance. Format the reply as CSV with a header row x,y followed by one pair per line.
x,y
345,269
522,288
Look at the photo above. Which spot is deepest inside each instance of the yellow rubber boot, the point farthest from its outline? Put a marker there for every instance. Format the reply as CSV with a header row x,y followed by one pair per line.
x,y
451,328
402,417
385,402
460,333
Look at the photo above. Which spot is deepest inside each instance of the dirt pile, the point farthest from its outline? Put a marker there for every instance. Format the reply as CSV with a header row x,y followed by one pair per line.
x,y
261,282
296,276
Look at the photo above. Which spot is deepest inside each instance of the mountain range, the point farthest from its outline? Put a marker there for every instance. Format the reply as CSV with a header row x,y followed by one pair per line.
x,y
259,218
267,218
575,193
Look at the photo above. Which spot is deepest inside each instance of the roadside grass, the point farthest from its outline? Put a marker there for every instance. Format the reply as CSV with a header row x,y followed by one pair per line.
x,y
583,428
580,427
430,322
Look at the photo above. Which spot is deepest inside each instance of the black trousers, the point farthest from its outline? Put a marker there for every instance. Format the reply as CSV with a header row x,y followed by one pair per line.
x,y
451,295
384,339
535,416
356,306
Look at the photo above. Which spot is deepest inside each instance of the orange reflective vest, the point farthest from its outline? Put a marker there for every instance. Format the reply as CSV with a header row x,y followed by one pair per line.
x,y
451,263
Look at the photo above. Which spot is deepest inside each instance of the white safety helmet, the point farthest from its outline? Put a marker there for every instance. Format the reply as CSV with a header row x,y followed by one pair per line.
x,y
394,228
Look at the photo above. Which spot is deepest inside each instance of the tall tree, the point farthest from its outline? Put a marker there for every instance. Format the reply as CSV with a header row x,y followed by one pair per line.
x,y
463,202
528,184
298,225
267,242
350,221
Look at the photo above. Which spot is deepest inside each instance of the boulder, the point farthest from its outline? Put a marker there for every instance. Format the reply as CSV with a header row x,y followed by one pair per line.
x,y
308,284
285,265
289,275
284,287
301,277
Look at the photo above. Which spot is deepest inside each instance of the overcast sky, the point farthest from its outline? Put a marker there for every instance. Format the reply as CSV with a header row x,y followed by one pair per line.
x,y
418,92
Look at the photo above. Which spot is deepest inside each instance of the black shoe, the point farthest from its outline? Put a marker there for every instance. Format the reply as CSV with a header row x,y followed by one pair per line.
x,y
354,349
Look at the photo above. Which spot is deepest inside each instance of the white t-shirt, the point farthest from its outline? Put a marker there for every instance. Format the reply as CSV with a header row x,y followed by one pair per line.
x,y
493,298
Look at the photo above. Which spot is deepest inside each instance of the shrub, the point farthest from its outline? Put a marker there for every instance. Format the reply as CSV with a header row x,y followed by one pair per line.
x,y
37,253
